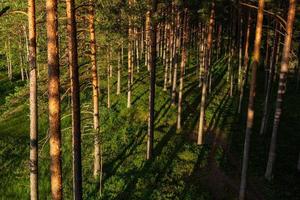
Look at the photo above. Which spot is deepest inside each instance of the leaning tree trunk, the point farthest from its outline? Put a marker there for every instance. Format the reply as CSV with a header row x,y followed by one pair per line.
x,y
250,112
152,65
95,84
75,98
54,100
282,86
205,74
34,194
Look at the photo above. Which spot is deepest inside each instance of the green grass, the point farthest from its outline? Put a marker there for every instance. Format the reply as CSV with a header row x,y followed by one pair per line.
x,y
180,170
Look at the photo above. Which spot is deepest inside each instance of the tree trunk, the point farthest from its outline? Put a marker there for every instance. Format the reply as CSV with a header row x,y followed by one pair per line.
x,y
152,65
250,112
182,66
282,86
119,74
54,100
130,63
176,57
95,84
205,74
264,121
34,194
109,68
246,64
75,97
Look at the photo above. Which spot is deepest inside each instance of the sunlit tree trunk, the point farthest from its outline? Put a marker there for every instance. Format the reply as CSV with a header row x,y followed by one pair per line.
x,y
176,57
34,194
95,84
119,74
147,38
54,100
130,62
152,65
75,97
205,74
250,112
182,66
282,86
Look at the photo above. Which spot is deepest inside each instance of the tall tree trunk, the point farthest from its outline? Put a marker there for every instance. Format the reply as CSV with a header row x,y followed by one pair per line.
x,y
147,38
54,100
282,86
205,74
152,65
246,64
119,74
130,62
182,67
95,84
264,121
250,112
34,194
75,97
109,68
176,57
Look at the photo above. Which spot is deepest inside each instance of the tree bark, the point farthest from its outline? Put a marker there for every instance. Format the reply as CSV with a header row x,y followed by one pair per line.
x,y
75,99
182,67
176,57
205,74
33,165
95,84
130,62
264,121
119,74
152,65
54,100
282,86
246,64
250,112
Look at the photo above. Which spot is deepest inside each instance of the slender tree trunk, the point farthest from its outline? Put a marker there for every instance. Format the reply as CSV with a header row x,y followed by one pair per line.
x,y
119,74
95,84
182,66
152,64
250,112
282,86
34,194
205,74
75,97
246,64
108,78
130,63
147,33
176,58
54,100
21,60
264,121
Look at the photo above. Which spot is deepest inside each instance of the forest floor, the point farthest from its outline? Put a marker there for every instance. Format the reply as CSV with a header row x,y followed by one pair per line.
x,y
180,169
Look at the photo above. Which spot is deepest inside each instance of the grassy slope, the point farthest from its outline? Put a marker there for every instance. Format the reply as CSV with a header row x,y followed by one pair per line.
x,y
181,169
